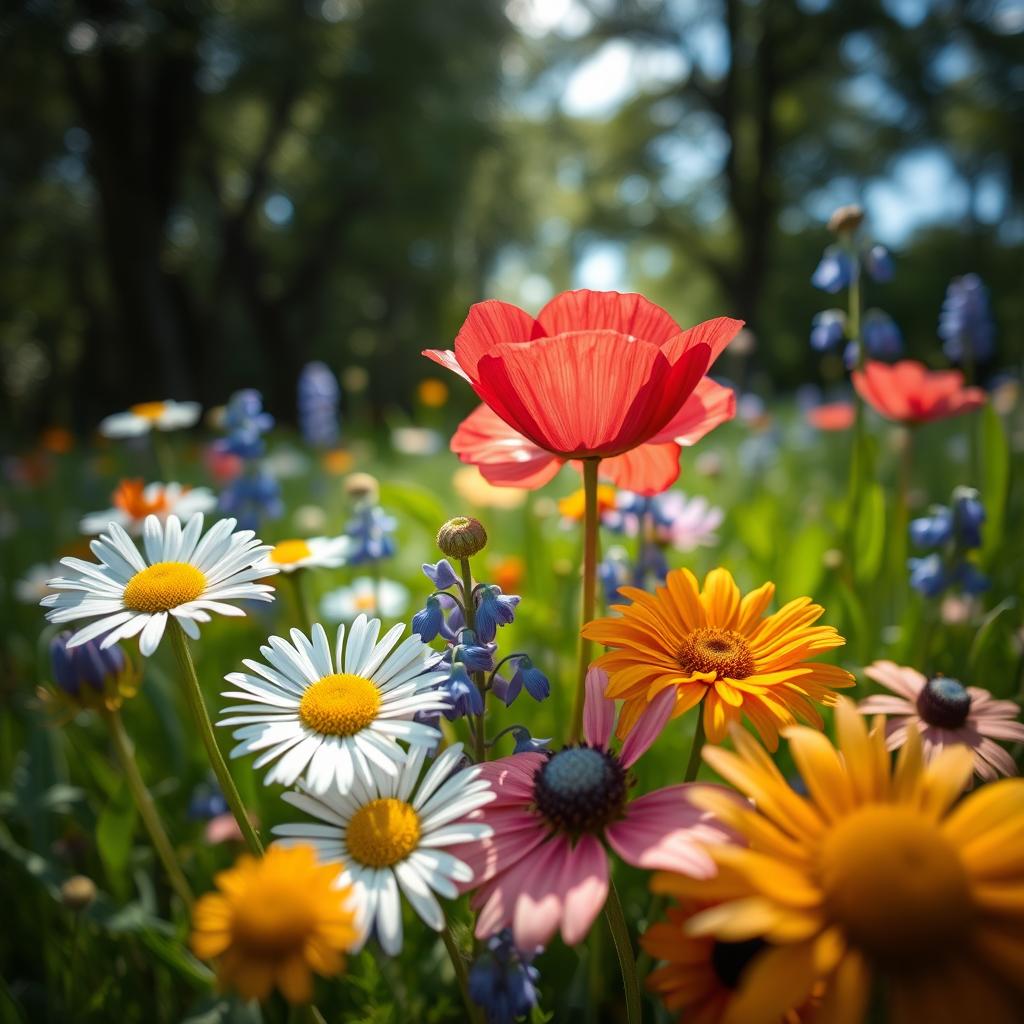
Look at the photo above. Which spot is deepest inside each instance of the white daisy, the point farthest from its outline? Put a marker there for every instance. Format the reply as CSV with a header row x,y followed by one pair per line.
x,y
365,595
312,553
134,500
146,416
335,716
129,594
390,837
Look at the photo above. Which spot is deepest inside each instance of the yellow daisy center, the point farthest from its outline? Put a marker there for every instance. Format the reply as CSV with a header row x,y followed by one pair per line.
x,y
711,649
163,586
276,919
288,552
383,832
339,705
365,602
895,884
151,411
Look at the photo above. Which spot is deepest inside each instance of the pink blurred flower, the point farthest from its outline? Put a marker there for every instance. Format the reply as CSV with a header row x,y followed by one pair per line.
x,y
945,713
546,868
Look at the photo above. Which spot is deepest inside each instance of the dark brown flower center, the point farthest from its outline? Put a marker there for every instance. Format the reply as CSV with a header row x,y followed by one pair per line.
x,y
944,702
730,959
721,651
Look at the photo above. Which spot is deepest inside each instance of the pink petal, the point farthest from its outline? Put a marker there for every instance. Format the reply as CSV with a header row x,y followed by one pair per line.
x,y
627,313
586,875
664,831
512,777
513,839
648,726
598,710
883,704
496,899
999,729
538,908
907,682
999,758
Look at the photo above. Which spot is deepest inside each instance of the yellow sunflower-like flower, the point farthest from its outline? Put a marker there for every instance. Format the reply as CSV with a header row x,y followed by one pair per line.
x,y
715,646
877,875
273,922
702,976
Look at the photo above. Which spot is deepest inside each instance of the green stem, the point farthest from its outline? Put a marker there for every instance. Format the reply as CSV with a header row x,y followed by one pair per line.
x,y
461,974
197,706
147,809
588,590
302,603
305,1013
163,453
624,950
469,608
657,903
693,764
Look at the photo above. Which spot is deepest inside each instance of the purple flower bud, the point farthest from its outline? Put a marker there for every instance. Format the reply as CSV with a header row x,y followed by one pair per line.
x,y
441,574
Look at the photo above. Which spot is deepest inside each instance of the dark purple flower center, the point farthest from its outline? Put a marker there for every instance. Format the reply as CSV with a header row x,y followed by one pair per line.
x,y
580,789
944,703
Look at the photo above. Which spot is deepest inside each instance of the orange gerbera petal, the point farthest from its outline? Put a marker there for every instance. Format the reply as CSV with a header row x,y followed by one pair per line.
x,y
755,666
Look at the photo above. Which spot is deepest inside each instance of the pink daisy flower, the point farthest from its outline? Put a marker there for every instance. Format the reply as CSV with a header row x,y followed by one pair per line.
x,y
545,868
945,713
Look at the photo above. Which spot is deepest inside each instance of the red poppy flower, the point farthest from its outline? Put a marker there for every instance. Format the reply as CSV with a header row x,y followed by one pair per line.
x,y
596,375
908,392
832,416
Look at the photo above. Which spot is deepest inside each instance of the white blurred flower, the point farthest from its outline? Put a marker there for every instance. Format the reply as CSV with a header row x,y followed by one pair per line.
x,y
146,416
384,598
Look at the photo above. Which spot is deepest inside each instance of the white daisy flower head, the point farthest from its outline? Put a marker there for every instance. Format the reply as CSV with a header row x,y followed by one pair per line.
x,y
134,500
146,416
365,595
390,836
180,574
336,715
312,553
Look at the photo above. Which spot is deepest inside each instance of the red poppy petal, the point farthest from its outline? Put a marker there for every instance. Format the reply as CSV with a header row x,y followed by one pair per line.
x,y
833,416
577,393
716,334
488,324
504,457
445,358
648,469
710,405
627,313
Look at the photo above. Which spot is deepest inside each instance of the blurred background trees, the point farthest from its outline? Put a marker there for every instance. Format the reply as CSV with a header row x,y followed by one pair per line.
x,y
203,195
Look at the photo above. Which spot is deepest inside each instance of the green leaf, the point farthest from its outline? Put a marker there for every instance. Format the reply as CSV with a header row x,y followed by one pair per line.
x,y
114,830
869,536
995,480
414,502
801,569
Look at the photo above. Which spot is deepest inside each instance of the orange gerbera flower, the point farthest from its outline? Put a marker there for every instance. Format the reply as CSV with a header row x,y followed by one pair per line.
x,y
275,921
879,873
704,979
718,647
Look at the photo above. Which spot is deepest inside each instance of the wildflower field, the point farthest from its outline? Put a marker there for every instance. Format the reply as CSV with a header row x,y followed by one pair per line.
x,y
628,697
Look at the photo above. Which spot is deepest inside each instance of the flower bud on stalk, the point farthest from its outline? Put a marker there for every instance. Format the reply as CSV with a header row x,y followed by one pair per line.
x,y
462,537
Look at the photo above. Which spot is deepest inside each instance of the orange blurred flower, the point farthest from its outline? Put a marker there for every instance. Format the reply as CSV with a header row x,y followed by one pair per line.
x,y
432,392
57,440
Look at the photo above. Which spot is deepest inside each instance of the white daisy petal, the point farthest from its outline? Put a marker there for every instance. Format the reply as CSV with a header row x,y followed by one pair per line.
x,y
418,893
